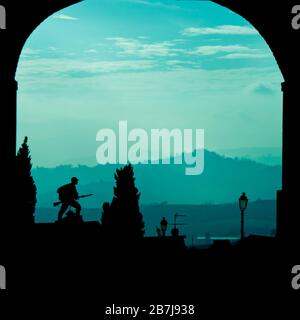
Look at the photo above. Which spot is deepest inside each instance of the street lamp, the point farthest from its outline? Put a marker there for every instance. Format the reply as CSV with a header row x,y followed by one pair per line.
x,y
243,202
163,226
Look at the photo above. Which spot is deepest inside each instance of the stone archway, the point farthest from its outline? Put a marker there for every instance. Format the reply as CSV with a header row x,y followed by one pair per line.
x,y
273,21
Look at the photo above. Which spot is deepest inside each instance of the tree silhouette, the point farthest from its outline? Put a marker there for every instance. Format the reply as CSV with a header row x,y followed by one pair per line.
x,y
122,218
25,186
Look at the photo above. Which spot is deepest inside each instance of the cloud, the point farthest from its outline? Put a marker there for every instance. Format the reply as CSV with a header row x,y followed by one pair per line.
x,y
73,68
179,62
220,30
91,51
138,48
65,17
246,56
212,50
157,4
261,89
30,52
169,49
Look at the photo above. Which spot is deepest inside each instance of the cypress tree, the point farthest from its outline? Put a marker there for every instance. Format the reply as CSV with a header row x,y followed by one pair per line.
x,y
123,219
25,186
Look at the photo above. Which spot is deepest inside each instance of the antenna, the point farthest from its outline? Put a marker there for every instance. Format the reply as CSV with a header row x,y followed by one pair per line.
x,y
176,215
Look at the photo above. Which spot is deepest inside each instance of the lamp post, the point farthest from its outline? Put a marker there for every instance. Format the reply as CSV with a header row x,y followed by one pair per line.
x,y
163,226
243,202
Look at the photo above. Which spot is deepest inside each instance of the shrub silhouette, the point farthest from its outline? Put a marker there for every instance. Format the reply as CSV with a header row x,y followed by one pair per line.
x,y
122,218
25,188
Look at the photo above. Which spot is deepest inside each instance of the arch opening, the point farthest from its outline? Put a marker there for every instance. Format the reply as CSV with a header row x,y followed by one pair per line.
x,y
222,58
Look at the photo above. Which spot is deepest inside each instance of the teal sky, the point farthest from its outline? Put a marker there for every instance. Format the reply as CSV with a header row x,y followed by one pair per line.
x,y
157,64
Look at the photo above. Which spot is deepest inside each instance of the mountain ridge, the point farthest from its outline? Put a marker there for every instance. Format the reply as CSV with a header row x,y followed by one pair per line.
x,y
222,181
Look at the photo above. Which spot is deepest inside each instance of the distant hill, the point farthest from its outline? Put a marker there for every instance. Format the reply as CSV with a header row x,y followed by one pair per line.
x,y
268,156
218,220
223,181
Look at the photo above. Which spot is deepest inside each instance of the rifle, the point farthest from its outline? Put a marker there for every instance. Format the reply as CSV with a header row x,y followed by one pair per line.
x,y
83,196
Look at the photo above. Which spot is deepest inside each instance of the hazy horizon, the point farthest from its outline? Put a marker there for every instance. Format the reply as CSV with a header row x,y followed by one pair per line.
x,y
266,156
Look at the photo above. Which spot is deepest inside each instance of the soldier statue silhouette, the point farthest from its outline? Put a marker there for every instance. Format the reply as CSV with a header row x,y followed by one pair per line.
x,y
68,196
